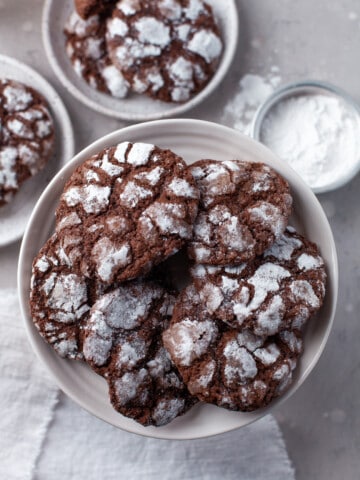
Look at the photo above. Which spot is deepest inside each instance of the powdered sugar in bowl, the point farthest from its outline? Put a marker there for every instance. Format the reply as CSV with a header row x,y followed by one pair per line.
x,y
315,128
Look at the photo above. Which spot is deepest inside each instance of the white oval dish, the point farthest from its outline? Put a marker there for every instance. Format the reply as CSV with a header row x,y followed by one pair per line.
x,y
135,107
14,216
192,139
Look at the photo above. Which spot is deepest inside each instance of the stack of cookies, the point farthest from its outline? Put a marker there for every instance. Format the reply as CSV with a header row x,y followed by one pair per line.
x,y
26,136
165,49
232,337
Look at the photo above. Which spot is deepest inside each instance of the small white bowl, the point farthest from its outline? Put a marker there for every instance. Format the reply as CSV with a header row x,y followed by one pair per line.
x,y
14,216
135,107
192,139
312,87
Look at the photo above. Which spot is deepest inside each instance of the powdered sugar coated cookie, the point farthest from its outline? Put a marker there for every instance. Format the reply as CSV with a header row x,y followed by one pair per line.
x,y
26,136
167,49
123,344
136,203
86,49
244,208
279,290
233,369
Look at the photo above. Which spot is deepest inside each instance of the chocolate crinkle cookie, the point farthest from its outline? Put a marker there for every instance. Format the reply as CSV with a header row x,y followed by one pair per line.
x,y
26,136
280,289
60,299
234,369
244,208
123,344
86,49
167,49
136,204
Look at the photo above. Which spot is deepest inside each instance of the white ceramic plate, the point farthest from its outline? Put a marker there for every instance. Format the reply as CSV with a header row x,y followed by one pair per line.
x,y
14,216
135,107
192,139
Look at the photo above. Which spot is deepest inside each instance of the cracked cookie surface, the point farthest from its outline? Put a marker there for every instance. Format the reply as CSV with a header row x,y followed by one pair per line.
x,y
26,136
166,49
280,289
123,344
136,204
244,208
86,49
233,369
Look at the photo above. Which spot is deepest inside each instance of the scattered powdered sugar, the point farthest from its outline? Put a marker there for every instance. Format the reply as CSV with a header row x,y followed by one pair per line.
x,y
318,135
253,91
160,364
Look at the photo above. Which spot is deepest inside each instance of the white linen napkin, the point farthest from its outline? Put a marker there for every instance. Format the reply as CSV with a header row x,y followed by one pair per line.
x,y
45,436
79,446
27,397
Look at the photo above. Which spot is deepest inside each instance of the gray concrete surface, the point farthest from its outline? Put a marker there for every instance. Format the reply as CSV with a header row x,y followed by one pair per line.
x,y
304,38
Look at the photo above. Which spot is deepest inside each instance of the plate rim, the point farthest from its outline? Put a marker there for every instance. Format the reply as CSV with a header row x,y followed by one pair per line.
x,y
192,124
222,70
60,116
